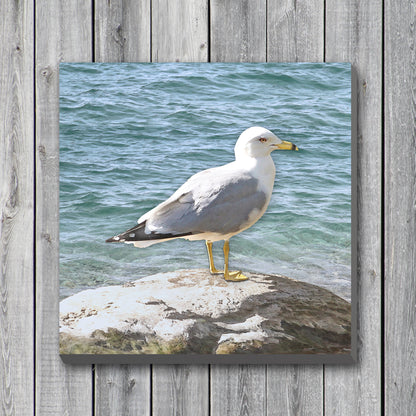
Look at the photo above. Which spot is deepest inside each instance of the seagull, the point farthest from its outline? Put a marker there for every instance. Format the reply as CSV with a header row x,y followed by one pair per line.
x,y
218,203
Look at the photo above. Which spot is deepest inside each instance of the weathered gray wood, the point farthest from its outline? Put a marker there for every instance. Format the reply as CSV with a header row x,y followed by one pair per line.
x,y
238,34
180,390
354,33
123,390
294,390
16,209
295,30
60,389
75,18
400,207
179,31
238,390
122,31
238,31
295,33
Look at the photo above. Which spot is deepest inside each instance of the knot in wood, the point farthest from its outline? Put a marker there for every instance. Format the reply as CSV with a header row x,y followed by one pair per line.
x,y
47,237
46,73
42,150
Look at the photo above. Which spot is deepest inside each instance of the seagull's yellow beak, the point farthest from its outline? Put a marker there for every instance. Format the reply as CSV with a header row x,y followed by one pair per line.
x,y
286,146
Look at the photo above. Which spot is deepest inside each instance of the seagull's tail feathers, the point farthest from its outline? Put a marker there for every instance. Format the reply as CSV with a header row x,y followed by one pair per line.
x,y
140,238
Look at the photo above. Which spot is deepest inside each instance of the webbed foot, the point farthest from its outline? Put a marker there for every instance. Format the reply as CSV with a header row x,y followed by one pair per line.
x,y
236,276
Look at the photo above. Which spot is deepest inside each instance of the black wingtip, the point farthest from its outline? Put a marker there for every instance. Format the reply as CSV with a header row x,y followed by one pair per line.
x,y
137,233
115,239
129,235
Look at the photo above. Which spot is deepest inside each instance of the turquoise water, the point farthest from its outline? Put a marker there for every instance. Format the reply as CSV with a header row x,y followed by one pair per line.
x,y
131,134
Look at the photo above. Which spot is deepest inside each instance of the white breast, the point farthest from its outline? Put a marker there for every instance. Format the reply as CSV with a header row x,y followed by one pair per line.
x,y
263,169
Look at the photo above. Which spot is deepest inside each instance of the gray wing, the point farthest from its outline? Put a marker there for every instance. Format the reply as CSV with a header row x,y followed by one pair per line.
x,y
215,200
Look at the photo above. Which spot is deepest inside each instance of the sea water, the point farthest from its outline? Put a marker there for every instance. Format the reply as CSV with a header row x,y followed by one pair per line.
x,y
131,134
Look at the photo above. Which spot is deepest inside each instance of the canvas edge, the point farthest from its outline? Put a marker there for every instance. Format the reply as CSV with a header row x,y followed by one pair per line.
x,y
208,359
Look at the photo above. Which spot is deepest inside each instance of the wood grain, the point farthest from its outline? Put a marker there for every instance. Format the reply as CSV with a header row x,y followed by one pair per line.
x,y
295,30
353,33
122,31
238,31
16,209
400,207
238,390
60,389
295,33
294,390
123,390
238,34
179,31
180,390
75,41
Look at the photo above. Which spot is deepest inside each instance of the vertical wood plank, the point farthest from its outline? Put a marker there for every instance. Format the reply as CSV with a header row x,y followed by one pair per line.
x,y
180,390
75,42
60,389
294,390
238,390
400,207
238,34
354,33
238,31
295,30
179,31
16,209
122,31
122,390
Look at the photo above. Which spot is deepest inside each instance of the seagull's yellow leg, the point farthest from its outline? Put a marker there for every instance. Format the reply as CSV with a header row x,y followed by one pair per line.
x,y
231,276
212,268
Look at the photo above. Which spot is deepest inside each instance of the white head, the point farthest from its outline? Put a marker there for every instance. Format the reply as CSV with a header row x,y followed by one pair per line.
x,y
259,142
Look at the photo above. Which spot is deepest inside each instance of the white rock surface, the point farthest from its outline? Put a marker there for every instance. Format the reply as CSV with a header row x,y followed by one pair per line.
x,y
199,312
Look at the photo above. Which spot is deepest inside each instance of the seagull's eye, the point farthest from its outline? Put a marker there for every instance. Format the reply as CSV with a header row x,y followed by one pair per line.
x,y
263,140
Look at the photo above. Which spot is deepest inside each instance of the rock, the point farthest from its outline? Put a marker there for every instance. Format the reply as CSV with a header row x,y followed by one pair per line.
x,y
191,311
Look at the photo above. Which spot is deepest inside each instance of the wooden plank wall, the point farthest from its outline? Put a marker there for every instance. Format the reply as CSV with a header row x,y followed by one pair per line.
x,y
378,37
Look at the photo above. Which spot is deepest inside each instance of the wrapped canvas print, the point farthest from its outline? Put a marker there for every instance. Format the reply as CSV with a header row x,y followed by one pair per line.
x,y
207,213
